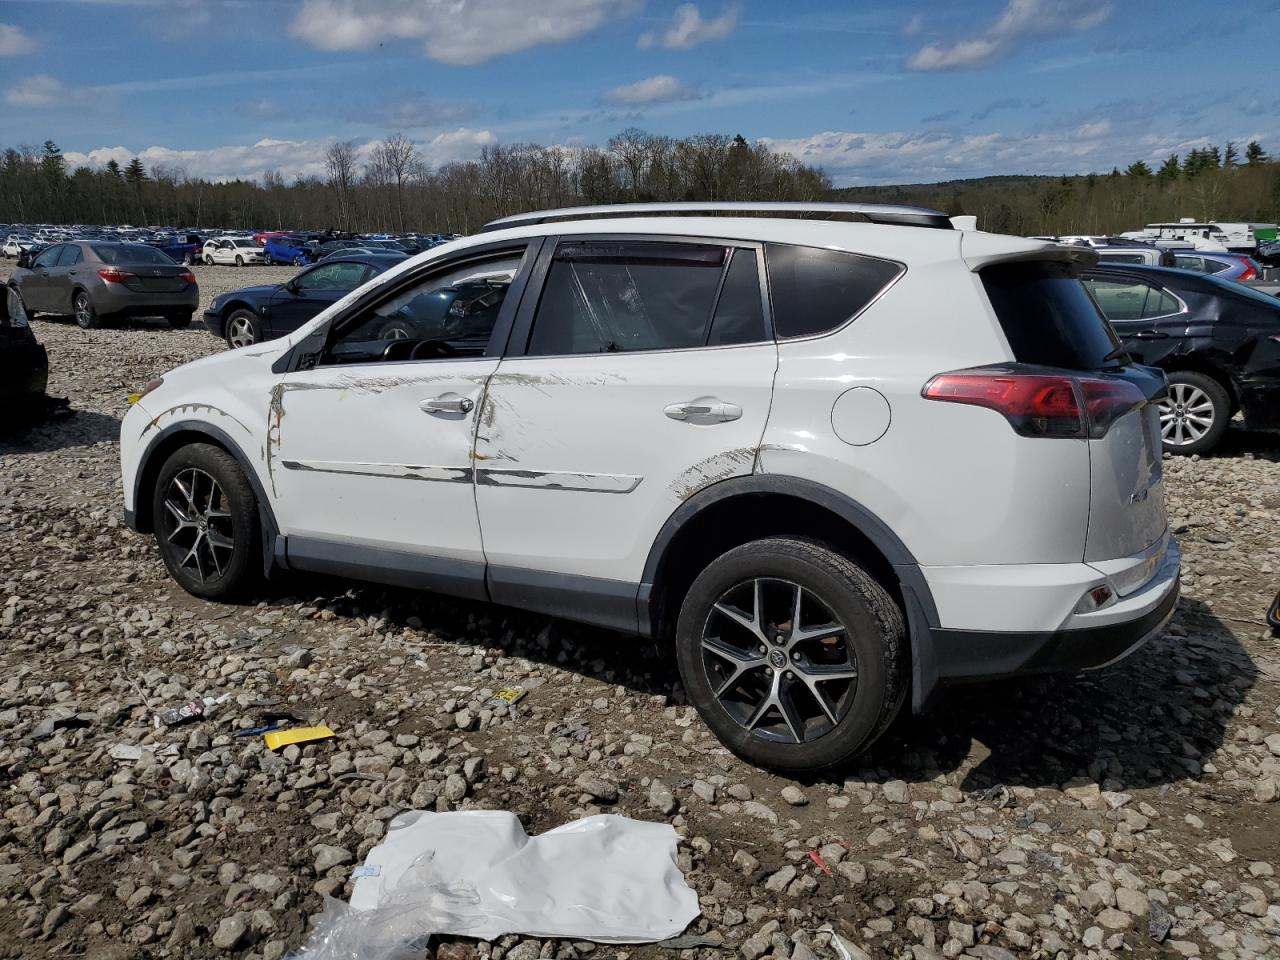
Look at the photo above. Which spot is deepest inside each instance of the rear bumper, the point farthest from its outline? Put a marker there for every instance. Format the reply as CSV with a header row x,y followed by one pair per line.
x,y
1083,642
132,303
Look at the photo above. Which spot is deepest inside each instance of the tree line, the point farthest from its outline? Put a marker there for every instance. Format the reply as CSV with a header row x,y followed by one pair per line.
x,y
1206,183
389,187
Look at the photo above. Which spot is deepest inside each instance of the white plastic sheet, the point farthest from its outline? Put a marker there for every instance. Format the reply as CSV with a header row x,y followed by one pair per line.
x,y
478,874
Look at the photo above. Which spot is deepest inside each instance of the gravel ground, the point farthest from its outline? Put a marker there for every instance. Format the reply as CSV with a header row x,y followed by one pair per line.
x,y
1128,812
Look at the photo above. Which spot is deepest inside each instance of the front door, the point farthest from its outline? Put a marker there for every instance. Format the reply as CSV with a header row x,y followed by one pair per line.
x,y
370,450
641,375
37,285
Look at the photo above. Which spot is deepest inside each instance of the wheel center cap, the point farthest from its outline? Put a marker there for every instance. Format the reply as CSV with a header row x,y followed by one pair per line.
x,y
202,524
777,659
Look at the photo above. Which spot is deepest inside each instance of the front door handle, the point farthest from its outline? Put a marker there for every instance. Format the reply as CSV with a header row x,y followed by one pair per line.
x,y
707,410
446,403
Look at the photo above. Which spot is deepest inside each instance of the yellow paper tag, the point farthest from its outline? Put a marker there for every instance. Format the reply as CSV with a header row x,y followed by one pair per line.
x,y
282,738
508,695
133,398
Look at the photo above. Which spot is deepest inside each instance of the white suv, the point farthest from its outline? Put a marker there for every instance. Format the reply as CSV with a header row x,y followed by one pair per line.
x,y
236,250
837,462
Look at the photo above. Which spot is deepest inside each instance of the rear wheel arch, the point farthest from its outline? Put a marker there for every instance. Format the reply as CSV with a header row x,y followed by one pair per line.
x,y
743,509
184,433
1199,363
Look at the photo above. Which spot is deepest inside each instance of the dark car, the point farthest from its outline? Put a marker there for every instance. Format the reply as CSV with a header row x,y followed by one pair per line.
x,y
254,314
329,247
96,281
24,365
1217,341
1228,266
461,312
283,249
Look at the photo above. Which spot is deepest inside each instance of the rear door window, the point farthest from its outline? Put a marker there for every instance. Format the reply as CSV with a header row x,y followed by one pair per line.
x,y
1048,316
815,291
70,256
620,296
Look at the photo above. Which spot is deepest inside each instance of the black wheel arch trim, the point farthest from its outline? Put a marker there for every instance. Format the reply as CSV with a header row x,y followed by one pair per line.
x,y
273,553
919,607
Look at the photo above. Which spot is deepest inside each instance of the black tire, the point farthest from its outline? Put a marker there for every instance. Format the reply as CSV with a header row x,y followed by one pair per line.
x,y
180,321
208,260
237,324
86,316
239,260
189,260
205,569
1193,397
873,638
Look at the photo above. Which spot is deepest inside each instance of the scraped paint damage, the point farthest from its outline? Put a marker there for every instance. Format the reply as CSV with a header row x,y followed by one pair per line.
x,y
713,469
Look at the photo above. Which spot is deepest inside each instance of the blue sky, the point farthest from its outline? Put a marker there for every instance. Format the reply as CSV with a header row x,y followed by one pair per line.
x,y
876,91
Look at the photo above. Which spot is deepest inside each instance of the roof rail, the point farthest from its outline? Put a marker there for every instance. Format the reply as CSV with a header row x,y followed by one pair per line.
x,y
884,213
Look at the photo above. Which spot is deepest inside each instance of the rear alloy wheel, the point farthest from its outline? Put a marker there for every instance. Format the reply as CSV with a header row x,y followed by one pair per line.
x,y
206,522
239,260
208,260
1194,416
793,654
242,329
82,309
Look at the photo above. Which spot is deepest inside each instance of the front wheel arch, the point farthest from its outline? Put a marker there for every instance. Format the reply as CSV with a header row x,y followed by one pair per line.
x,y
186,432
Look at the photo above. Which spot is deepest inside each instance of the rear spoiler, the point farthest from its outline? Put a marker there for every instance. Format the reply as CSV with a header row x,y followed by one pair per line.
x,y
985,249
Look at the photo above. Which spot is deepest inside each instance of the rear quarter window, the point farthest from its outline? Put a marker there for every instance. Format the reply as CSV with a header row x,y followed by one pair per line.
x,y
815,291
1048,316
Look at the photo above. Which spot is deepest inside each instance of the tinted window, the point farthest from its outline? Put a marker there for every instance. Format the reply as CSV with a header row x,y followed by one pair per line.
x,y
1215,266
1189,263
448,315
1047,315
815,291
1122,257
1132,300
70,256
739,316
131,253
607,297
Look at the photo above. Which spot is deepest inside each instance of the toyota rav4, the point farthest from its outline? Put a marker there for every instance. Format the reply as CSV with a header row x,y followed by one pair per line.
x,y
839,454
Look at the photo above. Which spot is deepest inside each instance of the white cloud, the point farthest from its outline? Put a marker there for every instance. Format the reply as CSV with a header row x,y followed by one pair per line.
x,y
688,29
1020,21
43,91
900,157
13,42
663,88
451,32
293,158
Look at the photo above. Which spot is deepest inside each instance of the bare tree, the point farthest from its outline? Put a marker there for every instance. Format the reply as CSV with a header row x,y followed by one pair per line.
x,y
395,158
340,165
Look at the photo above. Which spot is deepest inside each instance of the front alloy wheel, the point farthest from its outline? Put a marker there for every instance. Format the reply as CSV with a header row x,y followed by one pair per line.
x,y
240,331
205,517
198,524
779,660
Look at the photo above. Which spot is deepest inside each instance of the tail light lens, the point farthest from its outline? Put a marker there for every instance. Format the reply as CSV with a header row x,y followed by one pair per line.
x,y
114,274
1250,271
1039,404
187,277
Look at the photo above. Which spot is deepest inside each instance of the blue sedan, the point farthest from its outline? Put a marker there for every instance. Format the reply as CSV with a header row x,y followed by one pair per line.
x,y
254,314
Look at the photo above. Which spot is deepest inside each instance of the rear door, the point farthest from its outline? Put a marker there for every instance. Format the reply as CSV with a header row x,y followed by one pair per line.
x,y
1051,322
640,371
1149,319
64,275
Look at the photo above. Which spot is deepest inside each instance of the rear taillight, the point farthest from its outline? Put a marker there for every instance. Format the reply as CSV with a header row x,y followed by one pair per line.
x,y
114,274
1250,271
187,277
1040,404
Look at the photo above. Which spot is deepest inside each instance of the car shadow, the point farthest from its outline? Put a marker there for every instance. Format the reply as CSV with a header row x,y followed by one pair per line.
x,y
58,431
1151,720
125,323
1237,442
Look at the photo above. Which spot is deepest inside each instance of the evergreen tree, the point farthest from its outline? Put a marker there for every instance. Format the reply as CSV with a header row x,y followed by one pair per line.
x,y
1169,170
1254,154
1138,169
1230,157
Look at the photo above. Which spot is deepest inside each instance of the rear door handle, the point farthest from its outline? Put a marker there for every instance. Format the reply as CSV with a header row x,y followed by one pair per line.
x,y
706,411
446,403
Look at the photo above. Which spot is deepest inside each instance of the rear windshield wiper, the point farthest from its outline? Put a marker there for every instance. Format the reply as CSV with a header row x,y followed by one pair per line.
x,y
1119,353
